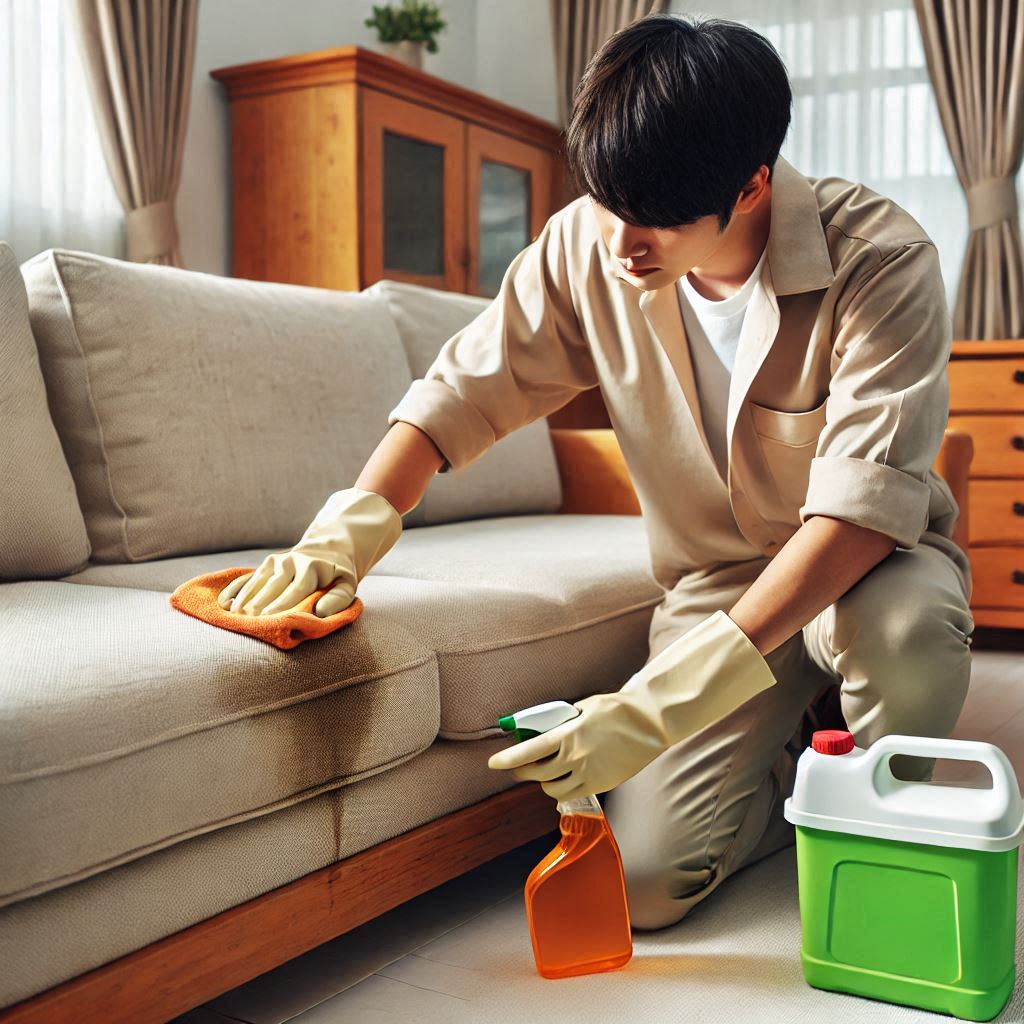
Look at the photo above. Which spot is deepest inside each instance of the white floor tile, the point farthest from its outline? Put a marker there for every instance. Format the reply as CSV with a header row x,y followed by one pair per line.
x,y
334,966
461,982
1009,737
386,1001
995,694
203,1015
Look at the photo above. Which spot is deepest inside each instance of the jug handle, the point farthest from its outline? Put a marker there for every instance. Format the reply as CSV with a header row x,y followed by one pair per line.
x,y
1004,778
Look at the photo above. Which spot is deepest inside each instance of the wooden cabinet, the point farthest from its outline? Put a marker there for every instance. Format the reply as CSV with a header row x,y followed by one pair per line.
x,y
986,400
349,167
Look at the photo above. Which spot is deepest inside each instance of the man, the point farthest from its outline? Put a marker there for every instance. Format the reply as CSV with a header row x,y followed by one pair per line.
x,y
772,351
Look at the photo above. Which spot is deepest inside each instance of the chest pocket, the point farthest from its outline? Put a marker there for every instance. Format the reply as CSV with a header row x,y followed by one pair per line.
x,y
788,441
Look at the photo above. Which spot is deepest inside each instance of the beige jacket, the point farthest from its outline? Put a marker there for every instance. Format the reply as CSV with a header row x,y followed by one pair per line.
x,y
837,405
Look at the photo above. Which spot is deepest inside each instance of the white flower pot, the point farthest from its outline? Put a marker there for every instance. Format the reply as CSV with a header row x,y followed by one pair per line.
x,y
408,51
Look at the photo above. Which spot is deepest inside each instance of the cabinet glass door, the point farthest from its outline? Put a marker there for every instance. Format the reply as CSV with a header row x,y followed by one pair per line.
x,y
414,194
509,186
413,173
504,221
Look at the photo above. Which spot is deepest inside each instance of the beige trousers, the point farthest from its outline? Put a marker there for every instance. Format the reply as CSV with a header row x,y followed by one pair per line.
x,y
896,644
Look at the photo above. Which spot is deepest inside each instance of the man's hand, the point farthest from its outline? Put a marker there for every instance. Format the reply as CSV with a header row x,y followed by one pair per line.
x,y
595,751
700,677
350,534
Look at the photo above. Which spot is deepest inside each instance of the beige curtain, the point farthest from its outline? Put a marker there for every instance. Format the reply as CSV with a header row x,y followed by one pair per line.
x,y
975,55
580,27
138,57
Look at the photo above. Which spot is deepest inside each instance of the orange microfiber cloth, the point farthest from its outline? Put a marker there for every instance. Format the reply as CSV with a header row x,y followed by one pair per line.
x,y
288,629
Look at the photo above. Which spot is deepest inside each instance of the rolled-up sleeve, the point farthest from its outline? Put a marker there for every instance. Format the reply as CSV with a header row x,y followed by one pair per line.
x,y
522,358
888,401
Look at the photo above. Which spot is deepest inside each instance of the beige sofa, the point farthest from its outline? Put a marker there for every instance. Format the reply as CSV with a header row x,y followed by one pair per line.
x,y
183,807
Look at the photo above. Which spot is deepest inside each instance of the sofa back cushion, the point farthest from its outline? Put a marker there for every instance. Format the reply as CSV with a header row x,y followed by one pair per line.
x,y
203,413
42,532
518,474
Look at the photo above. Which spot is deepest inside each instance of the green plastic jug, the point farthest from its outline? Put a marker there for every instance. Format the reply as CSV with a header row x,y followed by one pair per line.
x,y
908,890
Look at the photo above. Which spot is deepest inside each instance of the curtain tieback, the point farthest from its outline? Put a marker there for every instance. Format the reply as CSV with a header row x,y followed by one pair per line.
x,y
991,201
152,231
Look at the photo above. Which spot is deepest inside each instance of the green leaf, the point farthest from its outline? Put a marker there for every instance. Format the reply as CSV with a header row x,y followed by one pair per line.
x,y
413,20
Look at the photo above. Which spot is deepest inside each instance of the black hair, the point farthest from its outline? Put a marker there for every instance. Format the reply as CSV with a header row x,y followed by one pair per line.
x,y
674,115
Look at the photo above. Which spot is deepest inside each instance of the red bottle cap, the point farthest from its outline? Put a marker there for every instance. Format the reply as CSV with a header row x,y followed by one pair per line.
x,y
832,741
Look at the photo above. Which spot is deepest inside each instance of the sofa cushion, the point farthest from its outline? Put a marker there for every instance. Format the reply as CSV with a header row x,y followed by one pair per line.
x,y
519,473
127,726
525,609
203,413
519,609
42,532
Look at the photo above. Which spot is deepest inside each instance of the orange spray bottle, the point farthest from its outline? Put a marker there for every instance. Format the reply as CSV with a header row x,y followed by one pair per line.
x,y
576,896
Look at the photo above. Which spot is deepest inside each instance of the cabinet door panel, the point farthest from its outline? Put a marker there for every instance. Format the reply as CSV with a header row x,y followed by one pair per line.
x,y
504,222
414,194
509,195
413,205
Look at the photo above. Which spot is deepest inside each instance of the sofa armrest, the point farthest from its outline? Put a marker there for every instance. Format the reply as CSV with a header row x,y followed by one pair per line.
x,y
595,478
593,471
953,464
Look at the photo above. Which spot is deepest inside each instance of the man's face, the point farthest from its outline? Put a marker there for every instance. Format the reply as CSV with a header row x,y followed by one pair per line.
x,y
674,251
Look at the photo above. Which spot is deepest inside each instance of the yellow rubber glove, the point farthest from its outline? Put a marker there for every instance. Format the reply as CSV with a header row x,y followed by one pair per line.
x,y
352,532
699,678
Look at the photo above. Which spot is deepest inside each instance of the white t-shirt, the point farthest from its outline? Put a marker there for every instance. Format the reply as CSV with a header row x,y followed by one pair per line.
x,y
713,331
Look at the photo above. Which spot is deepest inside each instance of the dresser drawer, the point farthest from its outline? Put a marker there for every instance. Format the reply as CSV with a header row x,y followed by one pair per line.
x,y
998,577
996,511
980,385
998,444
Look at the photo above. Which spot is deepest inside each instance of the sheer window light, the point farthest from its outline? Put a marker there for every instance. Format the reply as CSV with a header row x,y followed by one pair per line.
x,y
863,106
55,190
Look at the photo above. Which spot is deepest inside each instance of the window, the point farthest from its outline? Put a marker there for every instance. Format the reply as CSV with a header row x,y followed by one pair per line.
x,y
863,106
55,189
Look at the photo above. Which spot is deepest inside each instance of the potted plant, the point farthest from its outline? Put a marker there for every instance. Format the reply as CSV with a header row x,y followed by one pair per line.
x,y
405,30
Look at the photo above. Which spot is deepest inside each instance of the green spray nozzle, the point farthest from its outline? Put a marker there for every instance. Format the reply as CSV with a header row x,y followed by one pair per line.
x,y
540,718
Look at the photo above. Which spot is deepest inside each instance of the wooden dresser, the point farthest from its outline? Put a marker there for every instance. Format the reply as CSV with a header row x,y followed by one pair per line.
x,y
349,166
986,400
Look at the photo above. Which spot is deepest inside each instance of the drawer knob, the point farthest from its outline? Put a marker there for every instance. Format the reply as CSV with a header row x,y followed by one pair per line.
x,y
1018,576
1018,508
1018,376
1017,441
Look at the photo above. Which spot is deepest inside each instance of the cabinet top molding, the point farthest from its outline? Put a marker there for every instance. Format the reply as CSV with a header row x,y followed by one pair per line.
x,y
357,65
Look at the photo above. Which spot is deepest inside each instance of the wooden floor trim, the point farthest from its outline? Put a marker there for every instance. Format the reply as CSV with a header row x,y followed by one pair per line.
x,y
184,970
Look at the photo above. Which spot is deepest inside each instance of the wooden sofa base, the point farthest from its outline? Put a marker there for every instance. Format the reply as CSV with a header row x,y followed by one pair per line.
x,y
184,970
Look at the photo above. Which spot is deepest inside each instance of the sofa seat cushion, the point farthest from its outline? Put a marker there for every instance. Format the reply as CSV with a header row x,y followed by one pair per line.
x,y
127,726
205,413
524,609
519,609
